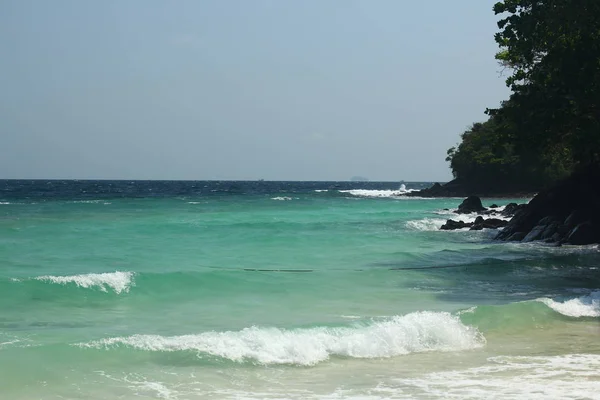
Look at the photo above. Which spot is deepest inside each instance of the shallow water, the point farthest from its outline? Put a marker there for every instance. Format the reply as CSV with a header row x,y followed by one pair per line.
x,y
193,290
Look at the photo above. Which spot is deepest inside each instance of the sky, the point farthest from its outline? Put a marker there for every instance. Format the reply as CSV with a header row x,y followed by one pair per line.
x,y
238,89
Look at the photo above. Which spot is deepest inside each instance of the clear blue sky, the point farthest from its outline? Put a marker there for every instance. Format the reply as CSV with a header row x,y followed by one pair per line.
x,y
239,89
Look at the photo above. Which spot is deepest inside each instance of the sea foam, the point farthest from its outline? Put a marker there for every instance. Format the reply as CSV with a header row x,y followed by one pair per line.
x,y
379,193
117,281
571,376
584,306
411,333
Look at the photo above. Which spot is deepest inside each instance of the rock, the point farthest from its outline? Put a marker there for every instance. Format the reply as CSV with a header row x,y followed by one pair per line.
x,y
551,230
470,205
523,221
568,212
452,225
575,218
490,223
544,229
493,206
535,233
516,237
511,209
584,233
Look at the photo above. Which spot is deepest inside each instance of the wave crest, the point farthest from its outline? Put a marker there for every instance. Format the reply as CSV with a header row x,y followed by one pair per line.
x,y
411,333
584,306
117,281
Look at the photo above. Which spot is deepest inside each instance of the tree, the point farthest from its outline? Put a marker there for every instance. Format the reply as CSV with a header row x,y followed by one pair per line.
x,y
553,49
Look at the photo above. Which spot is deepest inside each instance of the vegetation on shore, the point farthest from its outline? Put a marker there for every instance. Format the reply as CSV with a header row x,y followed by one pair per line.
x,y
550,125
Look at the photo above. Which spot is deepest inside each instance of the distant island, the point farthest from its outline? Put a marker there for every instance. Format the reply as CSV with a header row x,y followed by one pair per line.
x,y
359,179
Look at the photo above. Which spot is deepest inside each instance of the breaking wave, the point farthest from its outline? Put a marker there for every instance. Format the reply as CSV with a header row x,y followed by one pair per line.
x,y
117,281
584,306
399,335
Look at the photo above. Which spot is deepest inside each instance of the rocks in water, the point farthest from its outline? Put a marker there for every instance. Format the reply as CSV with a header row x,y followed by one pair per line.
x,y
470,205
490,223
511,209
479,224
451,225
494,206
568,213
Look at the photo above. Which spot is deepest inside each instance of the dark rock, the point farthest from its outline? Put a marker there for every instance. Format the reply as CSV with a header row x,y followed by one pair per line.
x,y
462,188
516,237
452,225
493,206
575,218
490,223
550,230
470,205
555,238
584,233
568,212
523,221
511,209
535,233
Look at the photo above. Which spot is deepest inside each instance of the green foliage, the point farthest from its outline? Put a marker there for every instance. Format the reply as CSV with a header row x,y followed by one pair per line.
x,y
551,122
553,49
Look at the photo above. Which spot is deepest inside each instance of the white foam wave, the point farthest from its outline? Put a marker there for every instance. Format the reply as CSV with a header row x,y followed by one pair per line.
x,y
117,281
282,198
415,332
379,193
86,201
584,306
376,193
426,224
321,190
434,224
572,376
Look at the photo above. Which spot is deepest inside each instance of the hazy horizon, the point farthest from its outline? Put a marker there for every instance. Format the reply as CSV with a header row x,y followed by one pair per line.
x,y
234,90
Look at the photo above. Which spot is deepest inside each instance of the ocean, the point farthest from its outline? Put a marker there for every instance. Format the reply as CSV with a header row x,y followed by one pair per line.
x,y
282,290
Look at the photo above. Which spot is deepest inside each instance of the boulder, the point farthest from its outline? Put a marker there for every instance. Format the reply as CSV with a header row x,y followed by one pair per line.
x,y
470,205
516,237
584,233
568,212
452,225
490,223
494,206
511,209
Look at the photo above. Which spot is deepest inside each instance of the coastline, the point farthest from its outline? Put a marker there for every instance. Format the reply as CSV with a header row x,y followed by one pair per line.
x,y
565,213
456,188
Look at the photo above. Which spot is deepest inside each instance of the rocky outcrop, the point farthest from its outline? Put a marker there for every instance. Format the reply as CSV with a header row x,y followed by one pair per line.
x,y
471,204
511,209
460,188
567,213
479,224
490,223
451,225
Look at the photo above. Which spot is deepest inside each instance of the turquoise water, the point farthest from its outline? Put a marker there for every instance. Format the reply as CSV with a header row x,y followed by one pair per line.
x,y
283,291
